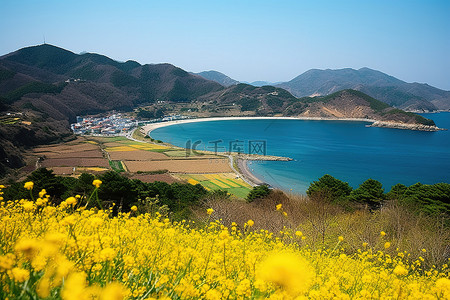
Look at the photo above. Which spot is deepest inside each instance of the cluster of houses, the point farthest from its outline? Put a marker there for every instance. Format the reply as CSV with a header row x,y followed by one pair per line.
x,y
114,124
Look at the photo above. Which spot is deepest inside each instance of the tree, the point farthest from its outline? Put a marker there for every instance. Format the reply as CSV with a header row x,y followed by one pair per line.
x,y
45,179
397,191
259,191
370,192
117,189
330,189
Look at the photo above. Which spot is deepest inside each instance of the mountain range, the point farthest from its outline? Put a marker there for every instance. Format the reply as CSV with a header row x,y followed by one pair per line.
x,y
386,88
43,88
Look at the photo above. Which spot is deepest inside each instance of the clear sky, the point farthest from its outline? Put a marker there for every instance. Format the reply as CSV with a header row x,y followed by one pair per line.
x,y
271,40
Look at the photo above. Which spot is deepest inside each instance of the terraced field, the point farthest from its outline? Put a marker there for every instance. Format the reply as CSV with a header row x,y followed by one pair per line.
x,y
220,181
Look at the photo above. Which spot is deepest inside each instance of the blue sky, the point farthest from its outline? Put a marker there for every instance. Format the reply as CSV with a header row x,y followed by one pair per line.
x,y
247,40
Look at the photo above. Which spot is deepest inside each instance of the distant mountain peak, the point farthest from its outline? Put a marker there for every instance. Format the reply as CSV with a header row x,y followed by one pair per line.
x,y
409,96
218,77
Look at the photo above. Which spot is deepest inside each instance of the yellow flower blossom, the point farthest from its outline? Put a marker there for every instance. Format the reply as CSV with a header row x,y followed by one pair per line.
x,y
42,193
400,270
97,183
74,287
387,245
113,291
287,271
279,206
250,223
28,185
209,211
19,274
134,208
71,201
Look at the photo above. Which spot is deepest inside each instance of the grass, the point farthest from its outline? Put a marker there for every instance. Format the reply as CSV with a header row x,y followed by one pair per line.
x,y
117,165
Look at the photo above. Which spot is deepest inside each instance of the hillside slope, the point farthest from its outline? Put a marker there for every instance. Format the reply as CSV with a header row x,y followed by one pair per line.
x,y
354,104
47,87
409,96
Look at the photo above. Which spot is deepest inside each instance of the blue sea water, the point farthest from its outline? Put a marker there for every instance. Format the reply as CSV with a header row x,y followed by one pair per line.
x,y
349,151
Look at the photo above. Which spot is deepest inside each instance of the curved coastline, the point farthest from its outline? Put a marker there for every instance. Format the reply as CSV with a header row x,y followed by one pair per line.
x,y
243,170
150,127
242,164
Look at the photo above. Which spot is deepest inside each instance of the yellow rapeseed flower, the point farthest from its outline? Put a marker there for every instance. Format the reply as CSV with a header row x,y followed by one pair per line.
x,y
19,274
28,206
71,200
288,271
279,206
298,233
28,185
400,270
382,233
443,287
42,193
97,183
365,244
250,223
134,208
74,287
341,238
387,245
209,211
113,291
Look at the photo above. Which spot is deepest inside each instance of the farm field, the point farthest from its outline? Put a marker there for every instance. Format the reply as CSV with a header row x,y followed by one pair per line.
x,y
72,158
222,181
99,154
136,155
165,177
181,166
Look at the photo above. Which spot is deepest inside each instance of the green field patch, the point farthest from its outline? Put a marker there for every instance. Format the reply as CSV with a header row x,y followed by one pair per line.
x,y
114,139
175,153
210,185
116,165
240,192
232,183
199,178
130,142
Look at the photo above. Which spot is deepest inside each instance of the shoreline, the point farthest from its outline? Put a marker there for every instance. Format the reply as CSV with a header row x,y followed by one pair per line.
x,y
150,127
374,123
246,174
242,164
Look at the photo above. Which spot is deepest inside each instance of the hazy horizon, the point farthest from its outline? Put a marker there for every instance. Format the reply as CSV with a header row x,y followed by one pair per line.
x,y
246,40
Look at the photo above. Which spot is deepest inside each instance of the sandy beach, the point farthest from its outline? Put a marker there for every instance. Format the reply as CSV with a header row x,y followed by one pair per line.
x,y
150,127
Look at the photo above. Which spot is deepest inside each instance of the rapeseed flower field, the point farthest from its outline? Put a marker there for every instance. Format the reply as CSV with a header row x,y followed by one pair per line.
x,y
71,252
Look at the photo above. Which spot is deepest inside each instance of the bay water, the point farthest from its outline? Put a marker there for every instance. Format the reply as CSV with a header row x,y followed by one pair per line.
x,y
347,150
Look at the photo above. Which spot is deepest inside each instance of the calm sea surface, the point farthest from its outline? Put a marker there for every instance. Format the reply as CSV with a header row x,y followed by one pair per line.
x,y
349,151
